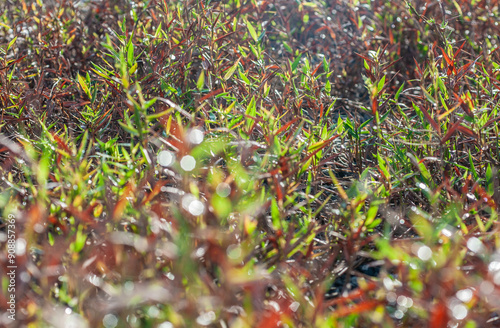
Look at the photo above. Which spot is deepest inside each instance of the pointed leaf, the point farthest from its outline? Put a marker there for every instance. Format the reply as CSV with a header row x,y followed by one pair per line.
x,y
201,80
251,30
231,71
84,86
431,120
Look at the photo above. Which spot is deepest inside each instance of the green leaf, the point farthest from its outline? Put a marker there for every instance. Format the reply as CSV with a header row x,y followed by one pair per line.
x,y
442,87
490,186
373,224
420,223
133,69
231,71
305,167
275,214
51,239
326,66
11,43
242,52
149,103
255,52
428,96
209,147
472,166
243,77
261,36
44,168
296,62
80,239
130,53
251,108
380,84
383,167
396,97
328,86
251,30
201,80
129,129
222,206
84,86
83,143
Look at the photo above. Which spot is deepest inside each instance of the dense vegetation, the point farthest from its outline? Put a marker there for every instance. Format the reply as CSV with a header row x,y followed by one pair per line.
x,y
251,163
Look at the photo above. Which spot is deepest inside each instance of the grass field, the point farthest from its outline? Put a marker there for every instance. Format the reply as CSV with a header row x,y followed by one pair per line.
x,y
243,163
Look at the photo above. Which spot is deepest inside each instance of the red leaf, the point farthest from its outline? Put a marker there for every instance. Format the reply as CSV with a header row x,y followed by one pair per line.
x,y
484,196
316,69
418,67
358,308
279,191
439,316
211,94
365,58
286,126
356,294
122,202
467,131
225,35
448,60
270,319
390,65
451,131
374,105
431,120
458,51
62,144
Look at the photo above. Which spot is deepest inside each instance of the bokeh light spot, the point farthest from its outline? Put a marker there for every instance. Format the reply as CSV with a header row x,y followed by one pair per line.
x,y
188,163
166,158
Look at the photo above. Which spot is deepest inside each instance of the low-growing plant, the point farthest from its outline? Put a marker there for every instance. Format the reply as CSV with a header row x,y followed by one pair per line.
x,y
249,164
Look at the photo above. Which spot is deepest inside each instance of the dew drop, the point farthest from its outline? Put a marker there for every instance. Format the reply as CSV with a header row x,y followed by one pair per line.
x,y
110,321
465,295
475,245
424,253
193,205
153,312
496,278
399,314
166,158
200,252
391,297
166,324
446,232
25,277
404,301
223,189
486,287
459,311
38,228
206,319
20,247
196,207
494,266
129,286
188,163
234,252
195,136
275,306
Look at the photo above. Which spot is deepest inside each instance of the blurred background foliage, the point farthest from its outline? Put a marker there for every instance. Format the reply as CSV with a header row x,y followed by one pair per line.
x,y
251,163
